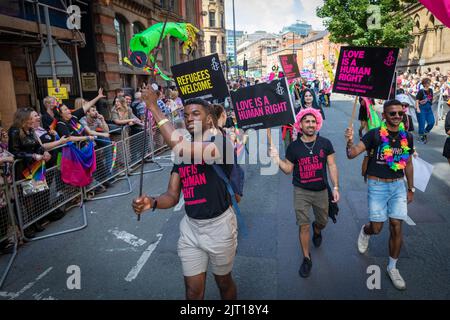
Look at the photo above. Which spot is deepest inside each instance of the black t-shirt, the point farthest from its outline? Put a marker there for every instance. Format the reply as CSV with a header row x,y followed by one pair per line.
x,y
377,166
205,193
422,94
310,169
47,120
65,129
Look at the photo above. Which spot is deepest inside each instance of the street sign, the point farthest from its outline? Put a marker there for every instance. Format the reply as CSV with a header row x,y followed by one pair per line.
x,y
89,81
59,93
63,64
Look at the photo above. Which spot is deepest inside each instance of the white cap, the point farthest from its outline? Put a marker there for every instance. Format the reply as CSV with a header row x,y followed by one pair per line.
x,y
155,86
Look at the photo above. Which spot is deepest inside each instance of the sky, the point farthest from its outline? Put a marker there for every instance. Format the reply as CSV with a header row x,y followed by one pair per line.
x,y
270,15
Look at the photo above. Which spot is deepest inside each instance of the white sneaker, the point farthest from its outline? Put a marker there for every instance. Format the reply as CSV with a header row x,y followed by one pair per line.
x,y
363,241
396,279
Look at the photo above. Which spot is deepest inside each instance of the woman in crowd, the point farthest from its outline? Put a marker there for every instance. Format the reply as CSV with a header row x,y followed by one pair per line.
x,y
25,145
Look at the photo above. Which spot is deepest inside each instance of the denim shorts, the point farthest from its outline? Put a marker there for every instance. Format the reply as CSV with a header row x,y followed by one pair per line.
x,y
387,200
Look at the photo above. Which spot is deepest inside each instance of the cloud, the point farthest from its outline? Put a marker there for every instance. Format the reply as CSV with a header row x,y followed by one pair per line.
x,y
271,16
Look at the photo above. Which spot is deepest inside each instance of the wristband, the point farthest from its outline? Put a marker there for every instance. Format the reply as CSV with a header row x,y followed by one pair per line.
x,y
162,122
155,204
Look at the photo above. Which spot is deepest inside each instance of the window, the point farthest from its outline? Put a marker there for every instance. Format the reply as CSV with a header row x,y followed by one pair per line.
x,y
173,51
222,21
138,27
224,46
213,44
119,25
212,19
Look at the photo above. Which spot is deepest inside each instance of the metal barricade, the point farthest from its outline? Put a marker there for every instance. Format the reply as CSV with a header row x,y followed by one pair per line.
x,y
134,146
36,205
111,165
8,230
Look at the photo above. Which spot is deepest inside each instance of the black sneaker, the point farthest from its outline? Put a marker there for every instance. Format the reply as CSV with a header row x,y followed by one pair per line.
x,y
305,268
57,214
317,238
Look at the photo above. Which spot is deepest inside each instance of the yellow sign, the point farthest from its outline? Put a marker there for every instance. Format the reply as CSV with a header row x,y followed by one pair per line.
x,y
50,83
59,93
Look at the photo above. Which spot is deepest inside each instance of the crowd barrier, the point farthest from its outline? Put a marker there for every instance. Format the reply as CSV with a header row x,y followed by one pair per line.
x,y
116,159
8,229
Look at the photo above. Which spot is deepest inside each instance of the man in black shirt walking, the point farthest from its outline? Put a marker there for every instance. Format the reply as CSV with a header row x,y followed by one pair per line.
x,y
307,158
390,148
208,231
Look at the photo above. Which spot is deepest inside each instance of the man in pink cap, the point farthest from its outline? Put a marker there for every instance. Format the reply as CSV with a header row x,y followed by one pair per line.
x,y
307,158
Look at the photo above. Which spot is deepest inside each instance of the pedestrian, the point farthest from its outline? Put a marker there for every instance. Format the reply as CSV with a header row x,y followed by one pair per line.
x,y
308,158
208,231
309,100
446,152
424,101
390,148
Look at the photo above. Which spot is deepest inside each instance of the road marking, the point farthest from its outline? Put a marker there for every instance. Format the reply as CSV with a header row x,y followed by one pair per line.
x,y
180,204
410,221
128,238
15,295
143,259
122,249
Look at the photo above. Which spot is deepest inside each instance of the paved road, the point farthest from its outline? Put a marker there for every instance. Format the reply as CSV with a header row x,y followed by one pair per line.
x,y
121,258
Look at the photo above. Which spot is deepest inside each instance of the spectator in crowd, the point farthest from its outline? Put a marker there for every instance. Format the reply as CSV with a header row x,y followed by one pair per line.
x,y
118,94
6,160
24,145
47,115
138,106
96,123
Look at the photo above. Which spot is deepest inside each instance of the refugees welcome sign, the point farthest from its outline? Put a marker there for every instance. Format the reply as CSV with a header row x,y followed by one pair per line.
x,y
201,78
263,105
365,71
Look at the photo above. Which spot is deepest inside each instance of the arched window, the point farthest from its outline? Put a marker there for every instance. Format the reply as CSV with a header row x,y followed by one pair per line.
x,y
138,27
121,36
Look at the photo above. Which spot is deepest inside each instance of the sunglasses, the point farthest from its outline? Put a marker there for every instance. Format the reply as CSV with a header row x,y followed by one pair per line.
x,y
400,113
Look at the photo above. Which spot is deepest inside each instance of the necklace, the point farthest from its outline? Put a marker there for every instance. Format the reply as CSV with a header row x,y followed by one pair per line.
x,y
386,148
310,149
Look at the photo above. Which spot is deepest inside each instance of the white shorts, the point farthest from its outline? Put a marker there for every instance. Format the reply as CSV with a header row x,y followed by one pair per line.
x,y
211,240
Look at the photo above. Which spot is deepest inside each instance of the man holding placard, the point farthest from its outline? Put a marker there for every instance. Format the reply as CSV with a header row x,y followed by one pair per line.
x,y
390,148
307,158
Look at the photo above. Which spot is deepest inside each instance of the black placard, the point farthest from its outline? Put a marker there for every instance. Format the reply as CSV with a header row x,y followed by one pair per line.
x,y
290,67
201,78
264,105
365,71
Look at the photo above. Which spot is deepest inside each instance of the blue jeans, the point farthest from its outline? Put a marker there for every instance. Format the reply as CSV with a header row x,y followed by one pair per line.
x,y
425,117
387,200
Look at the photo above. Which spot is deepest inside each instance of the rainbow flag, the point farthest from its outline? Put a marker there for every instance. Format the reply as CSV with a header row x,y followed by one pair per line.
x,y
77,127
36,172
53,124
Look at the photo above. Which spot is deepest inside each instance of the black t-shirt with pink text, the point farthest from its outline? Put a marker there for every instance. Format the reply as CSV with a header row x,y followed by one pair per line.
x,y
377,165
310,169
205,193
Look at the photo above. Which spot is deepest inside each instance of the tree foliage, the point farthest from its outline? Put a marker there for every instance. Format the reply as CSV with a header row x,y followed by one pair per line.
x,y
349,21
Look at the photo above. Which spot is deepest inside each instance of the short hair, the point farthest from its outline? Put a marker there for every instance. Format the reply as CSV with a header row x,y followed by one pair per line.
x,y
205,104
388,103
138,95
118,90
48,99
425,81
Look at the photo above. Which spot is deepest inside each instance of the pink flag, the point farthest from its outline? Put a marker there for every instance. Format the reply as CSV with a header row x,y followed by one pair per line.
x,y
440,8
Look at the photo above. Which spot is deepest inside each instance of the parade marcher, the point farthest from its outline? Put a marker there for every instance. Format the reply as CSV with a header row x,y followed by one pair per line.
x,y
424,110
309,100
391,147
208,231
308,158
446,152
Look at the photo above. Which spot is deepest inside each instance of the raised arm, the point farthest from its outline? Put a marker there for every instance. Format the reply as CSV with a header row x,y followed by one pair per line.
x,y
353,150
91,103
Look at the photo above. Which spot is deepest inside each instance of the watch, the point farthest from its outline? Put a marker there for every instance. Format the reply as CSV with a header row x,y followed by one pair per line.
x,y
412,189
